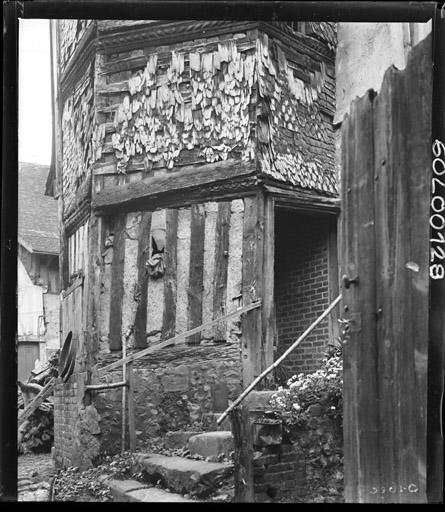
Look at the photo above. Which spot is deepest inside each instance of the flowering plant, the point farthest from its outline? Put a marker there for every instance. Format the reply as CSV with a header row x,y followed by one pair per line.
x,y
322,388
310,408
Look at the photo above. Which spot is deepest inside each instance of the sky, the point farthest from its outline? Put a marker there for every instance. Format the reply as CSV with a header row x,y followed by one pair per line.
x,y
35,127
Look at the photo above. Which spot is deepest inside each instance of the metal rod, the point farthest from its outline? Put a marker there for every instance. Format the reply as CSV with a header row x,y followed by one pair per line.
x,y
179,337
279,360
112,385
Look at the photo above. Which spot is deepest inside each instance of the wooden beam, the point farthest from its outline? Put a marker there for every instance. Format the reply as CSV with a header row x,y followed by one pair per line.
x,y
179,339
117,273
170,259
140,323
268,327
221,177
221,263
300,199
38,400
196,287
253,238
333,278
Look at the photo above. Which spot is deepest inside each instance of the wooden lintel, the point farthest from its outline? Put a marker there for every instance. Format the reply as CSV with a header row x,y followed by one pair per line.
x,y
191,184
302,200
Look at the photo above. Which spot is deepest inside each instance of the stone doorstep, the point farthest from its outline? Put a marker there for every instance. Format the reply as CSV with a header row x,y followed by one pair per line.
x,y
136,492
184,475
211,444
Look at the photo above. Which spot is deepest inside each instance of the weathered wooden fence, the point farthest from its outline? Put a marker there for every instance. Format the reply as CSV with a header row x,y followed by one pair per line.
x,y
386,166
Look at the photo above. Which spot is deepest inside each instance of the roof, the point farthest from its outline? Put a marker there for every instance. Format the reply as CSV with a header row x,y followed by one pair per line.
x,y
37,213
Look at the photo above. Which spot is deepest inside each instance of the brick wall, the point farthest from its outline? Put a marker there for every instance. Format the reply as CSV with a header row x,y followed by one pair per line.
x,y
65,419
76,425
278,474
301,288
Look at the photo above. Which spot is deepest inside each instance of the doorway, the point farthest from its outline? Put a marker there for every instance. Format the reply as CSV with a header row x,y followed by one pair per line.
x,y
306,274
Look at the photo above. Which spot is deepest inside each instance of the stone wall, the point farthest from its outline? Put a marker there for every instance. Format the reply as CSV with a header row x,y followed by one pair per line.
x,y
179,388
301,289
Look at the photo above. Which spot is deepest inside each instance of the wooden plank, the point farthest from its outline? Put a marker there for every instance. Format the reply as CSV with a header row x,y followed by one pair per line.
x,y
362,471
333,279
413,228
253,237
117,270
268,310
195,289
170,258
301,200
104,299
221,265
182,269
235,268
155,291
131,408
243,463
183,181
140,323
178,339
385,189
38,400
130,276
211,211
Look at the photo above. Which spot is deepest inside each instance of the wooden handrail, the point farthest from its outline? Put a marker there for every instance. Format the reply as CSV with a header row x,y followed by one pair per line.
x,y
38,400
279,360
180,338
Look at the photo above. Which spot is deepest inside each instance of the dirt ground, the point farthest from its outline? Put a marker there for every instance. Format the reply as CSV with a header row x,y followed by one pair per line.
x,y
34,476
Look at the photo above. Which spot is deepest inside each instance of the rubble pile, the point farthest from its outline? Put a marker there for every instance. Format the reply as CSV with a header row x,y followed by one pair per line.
x,y
36,434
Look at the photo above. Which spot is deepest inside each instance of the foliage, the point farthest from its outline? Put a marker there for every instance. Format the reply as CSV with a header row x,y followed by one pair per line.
x,y
71,484
310,408
38,433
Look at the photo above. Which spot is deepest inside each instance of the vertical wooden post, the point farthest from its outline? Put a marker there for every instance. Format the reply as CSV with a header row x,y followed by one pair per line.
x,y
117,272
268,324
333,278
253,239
196,286
221,266
131,408
243,464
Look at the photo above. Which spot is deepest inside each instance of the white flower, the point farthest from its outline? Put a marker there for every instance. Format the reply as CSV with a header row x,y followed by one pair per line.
x,y
297,407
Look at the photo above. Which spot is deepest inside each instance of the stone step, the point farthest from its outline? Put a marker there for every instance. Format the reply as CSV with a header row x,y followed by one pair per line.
x,y
178,439
134,491
209,421
211,445
182,475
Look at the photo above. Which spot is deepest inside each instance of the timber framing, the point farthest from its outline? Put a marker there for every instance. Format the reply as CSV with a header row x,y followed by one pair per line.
x,y
111,36
221,180
218,181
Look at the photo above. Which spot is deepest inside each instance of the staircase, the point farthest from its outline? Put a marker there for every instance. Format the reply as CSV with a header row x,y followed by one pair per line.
x,y
181,479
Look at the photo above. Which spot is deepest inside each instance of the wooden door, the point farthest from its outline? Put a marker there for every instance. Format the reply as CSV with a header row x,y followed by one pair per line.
x,y
27,353
386,174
